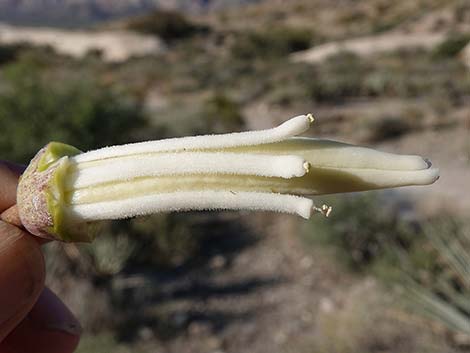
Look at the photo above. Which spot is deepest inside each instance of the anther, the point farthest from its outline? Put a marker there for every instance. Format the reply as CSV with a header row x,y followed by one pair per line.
x,y
324,210
306,166
310,118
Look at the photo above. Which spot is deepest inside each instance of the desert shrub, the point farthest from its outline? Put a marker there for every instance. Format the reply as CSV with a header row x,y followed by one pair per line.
x,y
270,43
36,107
341,77
165,241
359,230
403,74
368,320
216,113
451,46
9,52
289,84
436,277
462,12
160,242
427,258
346,75
387,128
132,264
168,25
222,114
418,74
104,342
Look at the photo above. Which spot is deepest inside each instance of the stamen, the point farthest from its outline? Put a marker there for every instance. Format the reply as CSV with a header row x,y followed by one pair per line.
x,y
191,200
324,210
307,167
290,128
310,118
127,168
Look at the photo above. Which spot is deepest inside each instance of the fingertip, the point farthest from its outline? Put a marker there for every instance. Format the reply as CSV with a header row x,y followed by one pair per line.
x,y
49,328
16,168
22,275
26,339
9,175
50,313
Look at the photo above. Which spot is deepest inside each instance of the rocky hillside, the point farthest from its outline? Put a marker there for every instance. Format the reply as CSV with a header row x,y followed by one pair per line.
x,y
83,12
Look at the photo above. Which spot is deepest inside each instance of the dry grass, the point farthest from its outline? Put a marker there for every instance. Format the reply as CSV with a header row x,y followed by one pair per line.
x,y
365,319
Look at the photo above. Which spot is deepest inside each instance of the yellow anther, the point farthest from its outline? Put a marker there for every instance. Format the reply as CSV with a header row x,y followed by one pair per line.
x,y
306,166
310,118
324,210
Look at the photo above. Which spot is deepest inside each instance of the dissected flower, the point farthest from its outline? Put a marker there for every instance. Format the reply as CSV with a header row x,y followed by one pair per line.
x,y
63,191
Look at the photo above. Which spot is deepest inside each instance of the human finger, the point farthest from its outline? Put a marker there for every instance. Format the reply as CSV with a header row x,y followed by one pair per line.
x,y
9,175
21,276
49,328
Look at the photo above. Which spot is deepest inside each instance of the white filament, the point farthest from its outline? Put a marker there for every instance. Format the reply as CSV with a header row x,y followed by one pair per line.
x,y
127,168
290,128
192,200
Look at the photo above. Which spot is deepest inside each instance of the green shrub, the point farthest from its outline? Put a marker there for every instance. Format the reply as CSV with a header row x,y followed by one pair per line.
x,y
37,107
429,259
404,74
165,241
216,113
161,242
387,128
270,43
9,52
341,77
451,46
105,342
168,25
222,114
437,275
359,230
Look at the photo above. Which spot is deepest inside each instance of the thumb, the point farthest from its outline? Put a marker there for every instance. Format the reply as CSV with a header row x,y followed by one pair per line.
x,y
21,276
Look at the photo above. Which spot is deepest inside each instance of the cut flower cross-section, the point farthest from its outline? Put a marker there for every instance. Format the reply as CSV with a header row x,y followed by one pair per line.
x,y
64,190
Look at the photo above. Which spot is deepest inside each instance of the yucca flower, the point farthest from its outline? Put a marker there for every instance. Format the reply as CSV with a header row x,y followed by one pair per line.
x,y
63,190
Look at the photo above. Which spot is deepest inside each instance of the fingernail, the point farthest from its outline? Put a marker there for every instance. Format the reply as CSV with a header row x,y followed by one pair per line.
x,y
21,271
50,313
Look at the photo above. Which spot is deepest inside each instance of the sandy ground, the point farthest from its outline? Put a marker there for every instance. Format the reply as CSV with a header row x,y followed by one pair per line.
x,y
280,295
114,46
370,45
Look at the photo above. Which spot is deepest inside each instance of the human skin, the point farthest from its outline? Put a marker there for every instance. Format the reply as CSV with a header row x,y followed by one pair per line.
x,y
32,317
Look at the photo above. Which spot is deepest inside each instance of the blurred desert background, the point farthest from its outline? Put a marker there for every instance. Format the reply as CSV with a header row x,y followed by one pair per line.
x,y
389,271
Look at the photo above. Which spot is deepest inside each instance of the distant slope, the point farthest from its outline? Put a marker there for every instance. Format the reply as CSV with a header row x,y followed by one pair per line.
x,y
73,13
114,46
